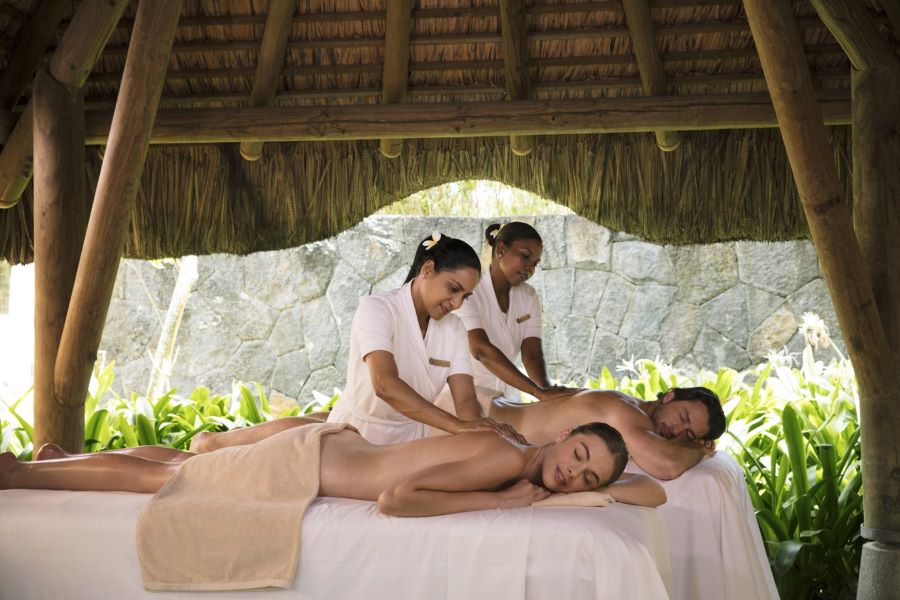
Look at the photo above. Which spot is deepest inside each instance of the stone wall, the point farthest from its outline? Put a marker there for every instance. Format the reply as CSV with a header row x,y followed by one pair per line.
x,y
282,318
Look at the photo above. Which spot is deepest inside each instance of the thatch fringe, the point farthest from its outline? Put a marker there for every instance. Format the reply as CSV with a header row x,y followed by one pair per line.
x,y
718,186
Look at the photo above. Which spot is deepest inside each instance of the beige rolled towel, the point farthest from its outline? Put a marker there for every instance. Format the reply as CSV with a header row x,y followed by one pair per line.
x,y
230,519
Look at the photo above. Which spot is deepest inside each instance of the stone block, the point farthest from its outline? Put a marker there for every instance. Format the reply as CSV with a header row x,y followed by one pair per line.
x,y
372,257
392,281
287,332
344,292
773,334
290,373
313,266
557,287
713,350
553,233
642,262
271,278
587,244
614,302
608,351
588,291
320,333
574,339
760,304
548,341
648,307
779,267
247,317
131,330
704,271
727,314
813,297
220,276
649,349
324,381
146,281
679,331
253,361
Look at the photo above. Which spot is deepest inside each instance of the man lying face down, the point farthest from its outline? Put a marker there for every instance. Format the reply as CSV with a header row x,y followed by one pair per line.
x,y
432,476
665,437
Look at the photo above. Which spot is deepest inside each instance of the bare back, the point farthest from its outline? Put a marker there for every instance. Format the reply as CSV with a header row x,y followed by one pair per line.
x,y
540,422
351,467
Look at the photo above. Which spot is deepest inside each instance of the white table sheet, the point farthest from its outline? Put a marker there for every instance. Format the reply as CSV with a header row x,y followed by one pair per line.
x,y
82,545
715,548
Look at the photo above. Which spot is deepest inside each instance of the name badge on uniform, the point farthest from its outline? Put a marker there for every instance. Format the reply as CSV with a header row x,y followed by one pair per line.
x,y
523,318
438,362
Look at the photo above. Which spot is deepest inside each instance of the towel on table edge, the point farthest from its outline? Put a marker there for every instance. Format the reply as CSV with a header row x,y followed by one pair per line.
x,y
230,519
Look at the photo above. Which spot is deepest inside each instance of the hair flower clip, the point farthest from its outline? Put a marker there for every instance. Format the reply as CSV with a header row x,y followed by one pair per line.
x,y
496,232
430,243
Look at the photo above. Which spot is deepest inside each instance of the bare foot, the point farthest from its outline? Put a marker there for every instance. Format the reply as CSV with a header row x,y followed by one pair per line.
x,y
202,442
50,451
8,463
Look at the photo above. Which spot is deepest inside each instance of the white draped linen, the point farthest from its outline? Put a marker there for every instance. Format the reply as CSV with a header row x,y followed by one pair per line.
x,y
81,545
715,547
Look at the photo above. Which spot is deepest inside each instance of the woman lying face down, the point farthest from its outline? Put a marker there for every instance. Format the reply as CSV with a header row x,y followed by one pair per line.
x,y
432,476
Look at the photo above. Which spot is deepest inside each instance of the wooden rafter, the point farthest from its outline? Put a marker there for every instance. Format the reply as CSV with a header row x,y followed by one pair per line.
x,y
650,66
78,50
33,41
446,120
397,32
117,187
850,24
514,42
892,10
810,155
269,63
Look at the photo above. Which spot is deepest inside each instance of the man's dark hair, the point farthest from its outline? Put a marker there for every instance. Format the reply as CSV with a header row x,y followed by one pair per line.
x,y
709,400
613,440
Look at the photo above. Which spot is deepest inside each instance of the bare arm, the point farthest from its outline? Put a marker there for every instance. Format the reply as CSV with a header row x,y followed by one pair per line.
x,y
401,397
496,362
662,458
533,360
641,490
465,400
463,485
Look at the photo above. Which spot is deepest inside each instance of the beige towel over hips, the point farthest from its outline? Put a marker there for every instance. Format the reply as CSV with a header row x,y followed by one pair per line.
x,y
230,519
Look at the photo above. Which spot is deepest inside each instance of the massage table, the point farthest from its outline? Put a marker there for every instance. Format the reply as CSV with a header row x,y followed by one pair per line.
x,y
715,548
82,545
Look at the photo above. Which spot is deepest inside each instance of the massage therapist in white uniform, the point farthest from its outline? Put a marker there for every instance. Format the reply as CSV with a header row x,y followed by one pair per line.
x,y
405,346
503,319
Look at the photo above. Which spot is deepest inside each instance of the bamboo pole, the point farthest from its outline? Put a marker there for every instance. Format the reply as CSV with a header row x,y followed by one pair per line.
x,y
850,24
446,120
778,41
269,63
73,60
514,45
60,218
397,30
653,76
33,41
117,187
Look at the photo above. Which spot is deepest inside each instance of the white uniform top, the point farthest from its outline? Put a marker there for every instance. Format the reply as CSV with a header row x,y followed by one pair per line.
x,y
505,330
388,322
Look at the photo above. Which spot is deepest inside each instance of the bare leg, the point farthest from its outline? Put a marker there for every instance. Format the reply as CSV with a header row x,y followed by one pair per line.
x,y
157,453
89,472
208,441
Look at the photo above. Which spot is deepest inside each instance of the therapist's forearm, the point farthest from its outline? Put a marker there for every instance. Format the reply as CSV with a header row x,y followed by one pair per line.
x,y
402,398
496,362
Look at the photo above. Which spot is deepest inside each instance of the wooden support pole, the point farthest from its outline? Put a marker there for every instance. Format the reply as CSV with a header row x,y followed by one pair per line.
x,y
467,119
828,215
850,24
397,31
268,66
514,45
33,41
650,66
892,9
60,218
117,188
73,60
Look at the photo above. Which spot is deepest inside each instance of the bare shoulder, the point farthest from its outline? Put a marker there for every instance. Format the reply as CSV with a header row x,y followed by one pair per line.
x,y
615,408
491,447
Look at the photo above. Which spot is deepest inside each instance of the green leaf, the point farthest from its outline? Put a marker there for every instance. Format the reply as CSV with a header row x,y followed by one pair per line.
x,y
131,440
93,430
786,554
146,431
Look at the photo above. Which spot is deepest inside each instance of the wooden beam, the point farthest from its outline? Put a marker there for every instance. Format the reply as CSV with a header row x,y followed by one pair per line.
x,y
514,46
269,63
850,24
466,119
73,60
33,41
117,187
653,76
397,31
892,11
828,215
60,218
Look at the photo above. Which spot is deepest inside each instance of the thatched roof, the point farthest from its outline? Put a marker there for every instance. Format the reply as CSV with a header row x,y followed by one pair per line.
x,y
201,198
